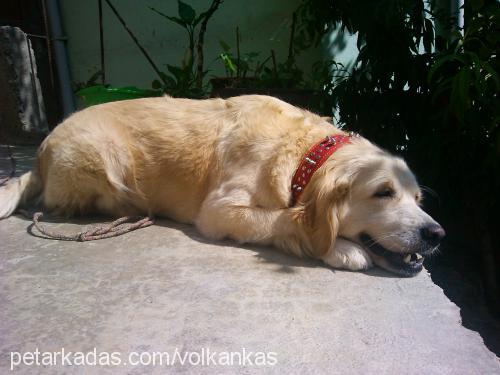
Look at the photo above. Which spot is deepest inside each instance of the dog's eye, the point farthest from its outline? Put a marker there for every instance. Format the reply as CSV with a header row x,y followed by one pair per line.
x,y
385,193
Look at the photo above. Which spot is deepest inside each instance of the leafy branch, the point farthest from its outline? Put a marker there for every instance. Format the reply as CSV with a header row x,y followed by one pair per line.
x,y
187,80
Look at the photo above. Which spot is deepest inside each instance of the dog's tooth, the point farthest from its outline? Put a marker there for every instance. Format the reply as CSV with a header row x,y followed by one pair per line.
x,y
407,258
419,256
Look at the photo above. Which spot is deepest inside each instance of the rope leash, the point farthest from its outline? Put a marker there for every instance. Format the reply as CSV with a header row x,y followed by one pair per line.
x,y
113,229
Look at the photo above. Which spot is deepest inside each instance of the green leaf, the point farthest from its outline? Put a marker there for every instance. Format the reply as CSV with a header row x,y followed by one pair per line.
x,y
252,55
156,84
455,100
476,4
177,21
186,12
228,62
441,61
168,80
443,89
170,18
463,87
491,74
92,80
428,35
224,46
176,71
200,17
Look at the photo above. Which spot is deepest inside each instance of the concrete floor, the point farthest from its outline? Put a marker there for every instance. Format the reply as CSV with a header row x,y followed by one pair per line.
x,y
164,288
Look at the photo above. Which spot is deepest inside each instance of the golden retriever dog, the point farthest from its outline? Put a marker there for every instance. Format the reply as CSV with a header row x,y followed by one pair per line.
x,y
226,166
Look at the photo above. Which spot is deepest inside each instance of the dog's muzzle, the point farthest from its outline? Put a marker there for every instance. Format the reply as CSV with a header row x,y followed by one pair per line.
x,y
404,264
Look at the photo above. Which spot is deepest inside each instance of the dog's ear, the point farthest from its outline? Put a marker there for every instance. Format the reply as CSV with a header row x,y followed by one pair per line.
x,y
321,210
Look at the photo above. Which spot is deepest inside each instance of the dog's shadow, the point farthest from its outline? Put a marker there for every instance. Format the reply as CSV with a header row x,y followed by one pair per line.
x,y
286,263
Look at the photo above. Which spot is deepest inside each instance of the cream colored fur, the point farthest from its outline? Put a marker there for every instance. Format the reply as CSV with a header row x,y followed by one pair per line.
x,y
225,166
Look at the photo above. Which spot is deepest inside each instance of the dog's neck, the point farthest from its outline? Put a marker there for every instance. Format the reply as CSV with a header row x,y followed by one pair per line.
x,y
313,159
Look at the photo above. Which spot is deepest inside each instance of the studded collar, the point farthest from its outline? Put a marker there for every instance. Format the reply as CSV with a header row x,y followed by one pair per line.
x,y
313,159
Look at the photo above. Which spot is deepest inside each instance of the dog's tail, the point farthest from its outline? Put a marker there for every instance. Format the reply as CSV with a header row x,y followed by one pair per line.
x,y
18,190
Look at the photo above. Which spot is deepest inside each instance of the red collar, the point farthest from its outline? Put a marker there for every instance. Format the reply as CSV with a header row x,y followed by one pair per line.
x,y
312,160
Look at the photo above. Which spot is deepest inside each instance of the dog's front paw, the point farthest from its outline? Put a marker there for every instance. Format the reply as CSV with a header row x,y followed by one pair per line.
x,y
348,255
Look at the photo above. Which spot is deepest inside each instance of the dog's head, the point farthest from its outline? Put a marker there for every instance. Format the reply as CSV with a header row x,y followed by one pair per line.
x,y
370,197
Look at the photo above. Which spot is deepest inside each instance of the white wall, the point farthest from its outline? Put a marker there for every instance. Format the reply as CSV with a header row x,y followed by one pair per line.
x,y
264,25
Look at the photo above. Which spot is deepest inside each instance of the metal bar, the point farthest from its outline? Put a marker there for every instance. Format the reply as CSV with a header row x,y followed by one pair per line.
x,y
61,57
292,37
63,38
122,21
48,42
101,39
238,51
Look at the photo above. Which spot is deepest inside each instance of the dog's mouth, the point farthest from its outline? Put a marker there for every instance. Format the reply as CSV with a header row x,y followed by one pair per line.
x,y
403,264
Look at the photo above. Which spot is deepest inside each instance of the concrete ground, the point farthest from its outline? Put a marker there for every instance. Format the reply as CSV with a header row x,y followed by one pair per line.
x,y
165,288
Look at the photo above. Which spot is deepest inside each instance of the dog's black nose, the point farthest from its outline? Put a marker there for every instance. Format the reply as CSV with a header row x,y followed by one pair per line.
x,y
432,234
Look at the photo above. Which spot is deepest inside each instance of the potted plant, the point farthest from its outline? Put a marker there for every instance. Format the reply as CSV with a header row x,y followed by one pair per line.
x,y
246,74
181,81
186,80
92,93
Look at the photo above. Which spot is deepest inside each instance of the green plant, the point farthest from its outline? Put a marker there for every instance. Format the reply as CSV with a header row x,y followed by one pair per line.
x,y
92,81
433,97
180,81
283,75
241,67
464,86
466,70
280,75
187,79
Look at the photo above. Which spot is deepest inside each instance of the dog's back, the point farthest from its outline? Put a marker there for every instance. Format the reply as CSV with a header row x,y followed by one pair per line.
x,y
158,155
131,156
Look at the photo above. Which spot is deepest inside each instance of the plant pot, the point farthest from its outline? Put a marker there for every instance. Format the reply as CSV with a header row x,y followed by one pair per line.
x,y
311,100
220,83
102,94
